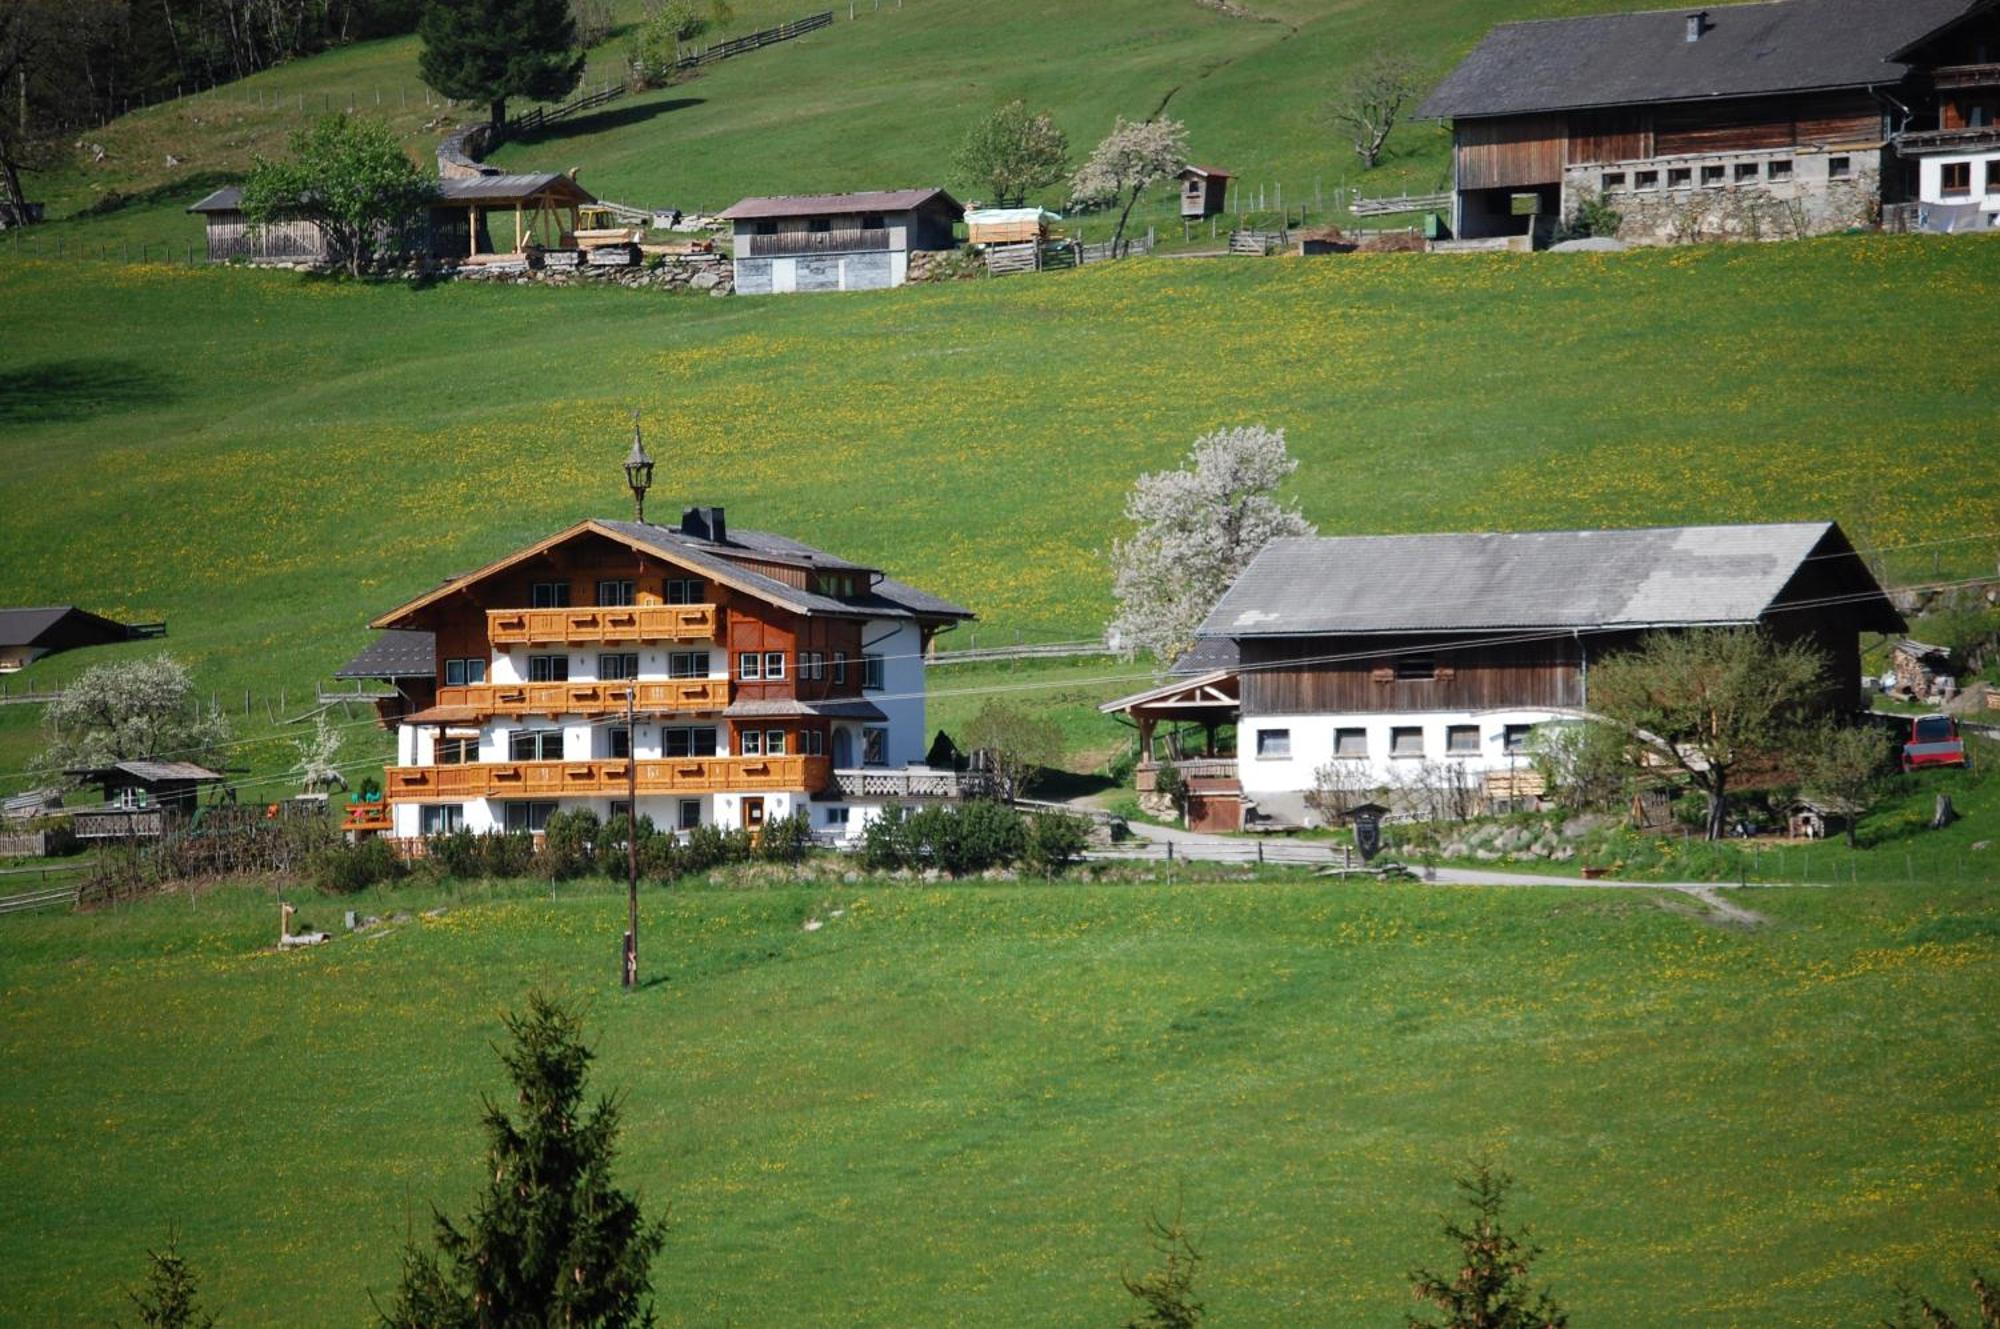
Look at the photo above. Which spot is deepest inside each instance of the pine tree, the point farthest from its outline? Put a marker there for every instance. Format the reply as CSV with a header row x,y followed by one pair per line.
x,y
1165,1293
490,50
1490,1290
552,1241
168,1299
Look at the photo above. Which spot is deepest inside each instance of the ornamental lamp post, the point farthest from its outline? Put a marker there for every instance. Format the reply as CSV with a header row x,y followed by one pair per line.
x,y
638,472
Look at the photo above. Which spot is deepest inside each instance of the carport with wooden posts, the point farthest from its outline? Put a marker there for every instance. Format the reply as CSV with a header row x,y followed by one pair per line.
x,y
546,212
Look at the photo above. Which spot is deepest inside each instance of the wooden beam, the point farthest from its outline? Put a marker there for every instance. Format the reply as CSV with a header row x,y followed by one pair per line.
x,y
472,217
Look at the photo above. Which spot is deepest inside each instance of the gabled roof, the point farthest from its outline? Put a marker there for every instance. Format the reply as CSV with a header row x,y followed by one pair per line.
x,y
229,198
1669,576
886,599
27,627
1212,172
152,772
395,653
803,205
509,188
1744,51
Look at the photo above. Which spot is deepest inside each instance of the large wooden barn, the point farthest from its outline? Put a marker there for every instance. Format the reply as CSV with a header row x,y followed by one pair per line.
x,y
1382,656
1754,121
837,242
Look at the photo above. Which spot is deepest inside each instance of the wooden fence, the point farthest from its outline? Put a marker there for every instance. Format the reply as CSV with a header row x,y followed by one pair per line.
x,y
533,120
1386,207
1258,243
1044,650
1110,249
784,32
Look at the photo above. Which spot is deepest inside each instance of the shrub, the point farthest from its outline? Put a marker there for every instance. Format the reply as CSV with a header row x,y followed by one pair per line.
x,y
1593,217
1054,840
707,847
343,869
656,49
661,858
569,844
503,855
786,840
456,854
885,844
972,837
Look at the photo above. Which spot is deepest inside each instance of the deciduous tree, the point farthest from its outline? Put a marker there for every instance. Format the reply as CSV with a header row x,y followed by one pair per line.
x,y
490,50
1019,745
1012,152
1132,157
128,711
1196,528
1370,101
351,178
1704,702
1842,768
552,1241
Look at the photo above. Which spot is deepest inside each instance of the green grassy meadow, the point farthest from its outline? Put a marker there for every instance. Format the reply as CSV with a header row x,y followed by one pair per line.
x,y
957,1104
267,460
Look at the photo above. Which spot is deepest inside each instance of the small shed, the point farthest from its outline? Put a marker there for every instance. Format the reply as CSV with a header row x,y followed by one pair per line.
x,y
1204,191
26,635
140,797
1008,226
1811,819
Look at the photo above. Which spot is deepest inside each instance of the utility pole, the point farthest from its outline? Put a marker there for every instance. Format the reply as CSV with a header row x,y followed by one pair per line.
x,y
631,840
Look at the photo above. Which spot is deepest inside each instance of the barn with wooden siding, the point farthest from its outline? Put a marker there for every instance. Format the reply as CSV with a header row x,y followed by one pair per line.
x,y
1392,657
838,242
1755,121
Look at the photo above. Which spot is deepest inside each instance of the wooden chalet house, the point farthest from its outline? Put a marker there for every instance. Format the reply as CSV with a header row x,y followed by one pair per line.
x,y
838,242
766,676
1751,121
1384,657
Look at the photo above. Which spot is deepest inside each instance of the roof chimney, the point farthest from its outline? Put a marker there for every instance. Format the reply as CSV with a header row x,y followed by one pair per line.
x,y
1697,24
705,524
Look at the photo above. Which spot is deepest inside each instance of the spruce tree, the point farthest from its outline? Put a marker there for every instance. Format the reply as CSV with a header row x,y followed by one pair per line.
x,y
490,50
169,1300
552,1241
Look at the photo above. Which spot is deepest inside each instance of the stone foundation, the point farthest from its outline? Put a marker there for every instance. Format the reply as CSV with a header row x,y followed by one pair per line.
x,y
1749,202
710,274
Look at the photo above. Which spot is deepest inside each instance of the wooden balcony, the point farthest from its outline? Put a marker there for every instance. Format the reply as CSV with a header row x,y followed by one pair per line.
x,y
369,818
635,623
1146,777
583,779
1966,76
806,243
914,782
608,698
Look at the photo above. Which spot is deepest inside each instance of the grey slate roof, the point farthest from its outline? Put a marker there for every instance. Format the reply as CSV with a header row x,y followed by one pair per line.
x,y
888,599
501,188
1629,59
26,627
1670,576
395,653
229,198
809,205
153,772
779,708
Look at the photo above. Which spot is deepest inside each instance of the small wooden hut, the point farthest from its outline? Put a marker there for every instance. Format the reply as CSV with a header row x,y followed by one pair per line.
x,y
1204,191
545,210
1007,226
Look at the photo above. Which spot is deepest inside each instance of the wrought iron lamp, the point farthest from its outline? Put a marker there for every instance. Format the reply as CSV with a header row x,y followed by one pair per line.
x,y
638,472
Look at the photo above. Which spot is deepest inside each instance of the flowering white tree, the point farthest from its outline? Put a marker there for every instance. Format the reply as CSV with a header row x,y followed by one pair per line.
x,y
319,757
1132,156
127,711
1197,528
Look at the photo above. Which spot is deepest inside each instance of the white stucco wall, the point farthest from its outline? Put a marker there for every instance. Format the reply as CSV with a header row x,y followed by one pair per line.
x,y
900,644
1930,181
1312,743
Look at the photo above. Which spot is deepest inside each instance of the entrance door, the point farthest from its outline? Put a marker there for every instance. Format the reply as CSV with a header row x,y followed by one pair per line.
x,y
753,814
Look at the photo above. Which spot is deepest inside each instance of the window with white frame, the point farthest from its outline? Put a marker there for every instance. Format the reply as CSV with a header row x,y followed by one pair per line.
x,y
812,666
871,673
840,666
749,664
535,745
1273,744
874,746
750,743
812,742
441,818
836,816
523,818
774,742
774,664
461,672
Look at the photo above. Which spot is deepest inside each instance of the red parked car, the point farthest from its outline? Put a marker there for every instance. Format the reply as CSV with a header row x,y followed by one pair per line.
x,y
1934,741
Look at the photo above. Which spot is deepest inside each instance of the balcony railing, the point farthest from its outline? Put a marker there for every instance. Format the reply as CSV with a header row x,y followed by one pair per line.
x,y
605,698
566,779
1948,140
119,824
911,782
1966,76
1146,778
790,243
535,627
368,817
